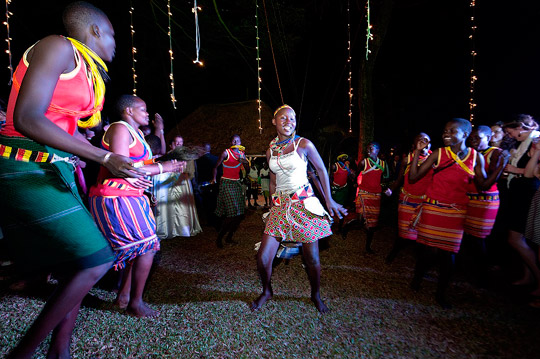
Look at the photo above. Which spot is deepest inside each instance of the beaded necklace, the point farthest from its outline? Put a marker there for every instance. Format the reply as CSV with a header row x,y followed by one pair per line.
x,y
279,146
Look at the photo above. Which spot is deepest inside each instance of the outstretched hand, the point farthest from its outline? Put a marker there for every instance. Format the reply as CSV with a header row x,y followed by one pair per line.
x,y
122,167
336,209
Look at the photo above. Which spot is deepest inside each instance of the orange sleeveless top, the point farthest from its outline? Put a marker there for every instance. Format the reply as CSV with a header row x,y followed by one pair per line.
x,y
73,97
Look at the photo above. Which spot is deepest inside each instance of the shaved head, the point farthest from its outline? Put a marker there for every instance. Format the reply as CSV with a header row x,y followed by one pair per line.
x,y
79,15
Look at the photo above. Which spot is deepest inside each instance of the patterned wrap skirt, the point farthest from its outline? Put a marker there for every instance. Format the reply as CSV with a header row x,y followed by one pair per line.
x,y
532,229
231,200
441,225
290,220
481,213
128,224
407,207
369,206
45,223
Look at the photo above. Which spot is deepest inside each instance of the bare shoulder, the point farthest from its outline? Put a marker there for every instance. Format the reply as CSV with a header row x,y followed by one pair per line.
x,y
53,48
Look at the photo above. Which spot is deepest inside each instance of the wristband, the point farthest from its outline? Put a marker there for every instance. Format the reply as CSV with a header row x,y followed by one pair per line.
x,y
106,157
160,168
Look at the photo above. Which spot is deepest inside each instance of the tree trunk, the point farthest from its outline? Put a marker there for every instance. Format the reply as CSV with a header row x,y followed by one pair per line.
x,y
381,11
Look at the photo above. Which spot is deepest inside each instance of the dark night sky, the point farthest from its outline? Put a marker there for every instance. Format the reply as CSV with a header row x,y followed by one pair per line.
x,y
421,75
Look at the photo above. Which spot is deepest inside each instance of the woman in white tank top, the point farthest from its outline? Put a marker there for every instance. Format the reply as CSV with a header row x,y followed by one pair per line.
x,y
296,214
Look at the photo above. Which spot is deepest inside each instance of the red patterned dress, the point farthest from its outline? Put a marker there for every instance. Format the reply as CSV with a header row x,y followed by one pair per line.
x,y
483,206
442,215
368,196
411,197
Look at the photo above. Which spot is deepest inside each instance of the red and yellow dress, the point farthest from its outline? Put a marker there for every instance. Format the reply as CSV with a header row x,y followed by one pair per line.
x,y
412,195
45,222
123,212
483,206
231,202
368,196
442,215
340,190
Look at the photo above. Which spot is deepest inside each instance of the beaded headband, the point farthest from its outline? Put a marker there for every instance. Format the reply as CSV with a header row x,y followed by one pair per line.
x,y
281,108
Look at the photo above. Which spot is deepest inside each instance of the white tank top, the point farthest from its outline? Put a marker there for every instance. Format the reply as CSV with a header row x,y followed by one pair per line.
x,y
290,170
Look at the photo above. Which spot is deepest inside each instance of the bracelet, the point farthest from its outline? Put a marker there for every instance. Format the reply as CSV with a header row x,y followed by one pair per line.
x,y
160,168
106,157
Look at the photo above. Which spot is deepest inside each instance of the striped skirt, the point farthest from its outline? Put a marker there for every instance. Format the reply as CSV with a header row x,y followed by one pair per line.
x,y
292,222
128,224
406,209
231,200
481,213
441,225
369,206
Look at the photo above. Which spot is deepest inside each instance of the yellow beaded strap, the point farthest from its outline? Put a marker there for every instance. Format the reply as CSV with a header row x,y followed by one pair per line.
x,y
91,58
460,162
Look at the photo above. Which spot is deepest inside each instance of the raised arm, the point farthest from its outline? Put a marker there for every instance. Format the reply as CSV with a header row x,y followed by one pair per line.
x,y
415,172
50,58
159,130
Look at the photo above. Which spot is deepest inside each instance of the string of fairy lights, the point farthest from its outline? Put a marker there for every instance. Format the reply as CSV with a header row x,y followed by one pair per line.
x,y
349,63
8,40
195,11
474,78
259,78
369,35
133,49
169,33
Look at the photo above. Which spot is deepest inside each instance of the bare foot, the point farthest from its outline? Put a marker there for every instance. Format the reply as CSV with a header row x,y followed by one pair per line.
x,y
259,302
121,301
142,311
319,304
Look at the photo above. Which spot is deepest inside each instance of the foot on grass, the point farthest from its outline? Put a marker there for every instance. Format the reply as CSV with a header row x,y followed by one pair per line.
x,y
319,304
142,311
121,301
259,302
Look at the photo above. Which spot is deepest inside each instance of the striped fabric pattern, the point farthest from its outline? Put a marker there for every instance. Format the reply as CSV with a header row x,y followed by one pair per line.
x,y
406,210
128,224
20,154
441,225
481,213
369,206
231,200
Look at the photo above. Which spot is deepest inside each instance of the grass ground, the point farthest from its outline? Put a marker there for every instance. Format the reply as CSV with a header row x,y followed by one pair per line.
x,y
203,293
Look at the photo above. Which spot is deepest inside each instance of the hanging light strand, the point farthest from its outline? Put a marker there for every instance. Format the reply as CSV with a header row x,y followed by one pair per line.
x,y
195,11
349,64
8,40
474,78
133,49
369,35
259,78
169,33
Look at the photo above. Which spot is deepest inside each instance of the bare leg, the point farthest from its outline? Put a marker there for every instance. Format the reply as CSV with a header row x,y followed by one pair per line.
x,y
370,232
122,298
265,257
61,335
517,241
310,251
63,303
446,271
141,268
